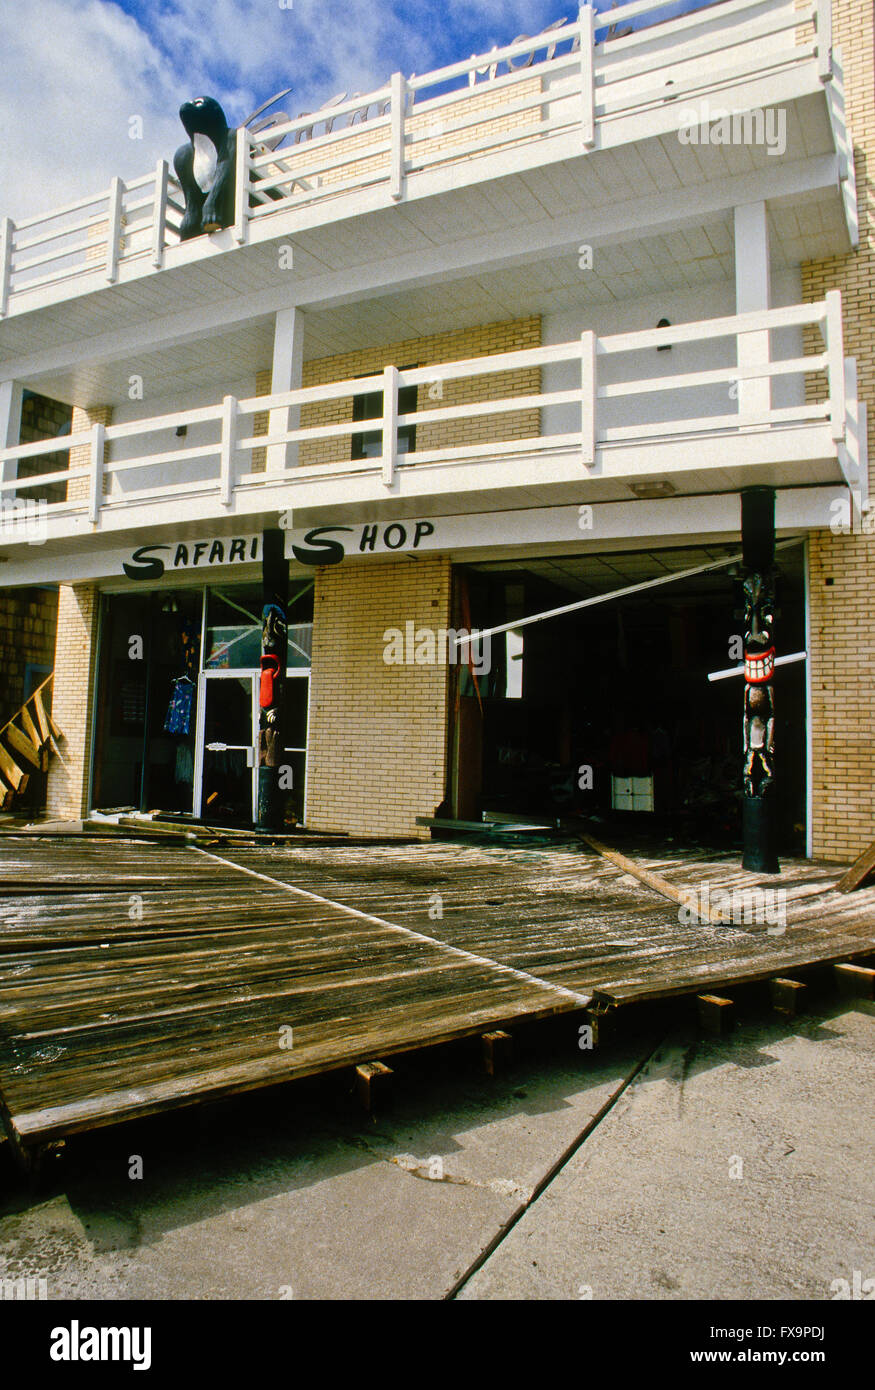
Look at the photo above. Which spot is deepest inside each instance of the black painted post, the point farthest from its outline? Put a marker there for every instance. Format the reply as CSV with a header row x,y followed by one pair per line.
x,y
274,656
758,802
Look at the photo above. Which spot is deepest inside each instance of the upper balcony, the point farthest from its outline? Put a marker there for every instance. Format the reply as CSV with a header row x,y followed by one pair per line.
x,y
736,401
522,120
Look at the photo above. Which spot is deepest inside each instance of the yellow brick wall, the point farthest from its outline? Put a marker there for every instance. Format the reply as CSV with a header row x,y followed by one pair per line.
x,y
28,619
377,745
75,652
842,614
485,340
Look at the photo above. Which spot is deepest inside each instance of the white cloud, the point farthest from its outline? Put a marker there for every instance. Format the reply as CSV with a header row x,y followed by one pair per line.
x,y
76,71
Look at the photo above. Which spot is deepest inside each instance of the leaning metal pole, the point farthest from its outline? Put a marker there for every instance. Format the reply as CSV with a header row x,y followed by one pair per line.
x,y
274,656
759,808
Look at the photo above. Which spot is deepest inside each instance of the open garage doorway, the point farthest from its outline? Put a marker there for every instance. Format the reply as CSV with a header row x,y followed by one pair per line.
x,y
607,712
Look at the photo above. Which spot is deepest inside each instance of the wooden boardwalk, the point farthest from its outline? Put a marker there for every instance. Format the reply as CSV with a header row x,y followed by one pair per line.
x,y
137,977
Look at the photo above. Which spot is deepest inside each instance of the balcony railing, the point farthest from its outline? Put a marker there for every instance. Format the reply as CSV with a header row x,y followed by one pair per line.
x,y
575,81
602,396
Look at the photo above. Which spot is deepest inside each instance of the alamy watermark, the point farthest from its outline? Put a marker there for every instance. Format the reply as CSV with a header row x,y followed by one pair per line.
x,y
703,124
24,519
740,907
442,646
27,1290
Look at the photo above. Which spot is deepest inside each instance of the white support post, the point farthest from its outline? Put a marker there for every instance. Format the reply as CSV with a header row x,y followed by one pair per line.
x,y
114,229
241,187
159,213
390,424
836,363
824,40
752,294
398,110
588,398
228,450
10,428
7,233
95,491
286,375
587,75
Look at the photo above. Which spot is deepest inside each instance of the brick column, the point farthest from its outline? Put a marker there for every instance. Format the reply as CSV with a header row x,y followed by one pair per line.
x,y
75,664
842,567
378,733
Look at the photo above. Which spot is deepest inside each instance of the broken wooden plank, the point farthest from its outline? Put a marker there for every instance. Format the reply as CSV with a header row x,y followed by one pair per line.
x,y
22,744
30,728
861,867
652,880
497,1051
11,771
854,981
787,996
42,717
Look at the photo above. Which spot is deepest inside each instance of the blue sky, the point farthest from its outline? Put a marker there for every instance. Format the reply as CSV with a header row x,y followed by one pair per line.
x,y
76,71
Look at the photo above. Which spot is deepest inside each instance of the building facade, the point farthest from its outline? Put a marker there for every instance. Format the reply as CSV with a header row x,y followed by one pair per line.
x,y
484,344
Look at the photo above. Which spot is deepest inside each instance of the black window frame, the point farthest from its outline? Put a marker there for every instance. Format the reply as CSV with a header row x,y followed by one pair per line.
x,y
369,406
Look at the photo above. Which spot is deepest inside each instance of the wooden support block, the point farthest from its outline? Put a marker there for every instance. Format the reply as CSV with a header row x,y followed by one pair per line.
x,y
601,1025
497,1052
788,996
855,981
373,1082
716,1015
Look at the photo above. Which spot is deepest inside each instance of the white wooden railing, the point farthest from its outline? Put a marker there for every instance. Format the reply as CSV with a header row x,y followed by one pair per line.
x,y
611,392
575,80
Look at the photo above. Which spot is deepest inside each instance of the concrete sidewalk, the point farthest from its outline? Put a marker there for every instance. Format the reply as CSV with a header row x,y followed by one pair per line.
x,y
738,1169
291,1194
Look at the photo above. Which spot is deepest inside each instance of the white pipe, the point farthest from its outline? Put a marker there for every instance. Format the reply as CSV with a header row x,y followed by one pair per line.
x,y
615,593
739,670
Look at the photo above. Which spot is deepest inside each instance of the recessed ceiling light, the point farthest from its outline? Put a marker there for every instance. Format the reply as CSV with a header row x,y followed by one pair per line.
x,y
653,489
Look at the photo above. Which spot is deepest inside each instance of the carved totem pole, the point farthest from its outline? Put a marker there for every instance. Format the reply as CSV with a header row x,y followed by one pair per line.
x,y
758,806
274,656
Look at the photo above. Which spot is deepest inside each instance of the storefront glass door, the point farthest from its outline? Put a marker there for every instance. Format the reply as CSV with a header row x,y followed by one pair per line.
x,y
228,742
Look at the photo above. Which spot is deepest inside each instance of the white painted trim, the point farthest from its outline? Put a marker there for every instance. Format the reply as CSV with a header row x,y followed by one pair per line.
x,y
630,111
286,377
544,529
114,229
228,452
159,215
390,424
398,89
660,214
7,233
10,431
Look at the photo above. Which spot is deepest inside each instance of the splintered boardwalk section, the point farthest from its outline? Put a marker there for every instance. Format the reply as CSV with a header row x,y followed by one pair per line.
x,y
576,920
105,1016
136,977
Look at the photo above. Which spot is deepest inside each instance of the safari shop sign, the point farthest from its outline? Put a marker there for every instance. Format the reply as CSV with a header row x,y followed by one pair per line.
x,y
319,545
